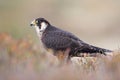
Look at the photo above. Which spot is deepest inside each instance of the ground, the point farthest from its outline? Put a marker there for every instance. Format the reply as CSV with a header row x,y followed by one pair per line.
x,y
21,59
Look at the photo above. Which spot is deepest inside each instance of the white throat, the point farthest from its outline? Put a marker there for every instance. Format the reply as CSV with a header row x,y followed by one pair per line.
x,y
42,29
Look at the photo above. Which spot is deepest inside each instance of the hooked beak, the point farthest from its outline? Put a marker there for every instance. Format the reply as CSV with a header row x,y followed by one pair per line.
x,y
32,23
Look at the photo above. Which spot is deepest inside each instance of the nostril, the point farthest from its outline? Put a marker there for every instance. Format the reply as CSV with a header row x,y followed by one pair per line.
x,y
31,24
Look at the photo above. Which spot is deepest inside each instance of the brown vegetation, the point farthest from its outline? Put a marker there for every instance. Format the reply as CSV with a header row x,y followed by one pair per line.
x,y
23,60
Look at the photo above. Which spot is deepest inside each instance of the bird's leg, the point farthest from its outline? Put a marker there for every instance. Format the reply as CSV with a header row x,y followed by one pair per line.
x,y
60,56
67,56
63,56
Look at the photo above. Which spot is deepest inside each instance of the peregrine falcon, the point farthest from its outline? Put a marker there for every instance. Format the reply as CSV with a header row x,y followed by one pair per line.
x,y
63,43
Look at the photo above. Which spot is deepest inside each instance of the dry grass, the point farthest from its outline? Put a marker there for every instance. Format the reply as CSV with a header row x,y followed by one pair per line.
x,y
23,60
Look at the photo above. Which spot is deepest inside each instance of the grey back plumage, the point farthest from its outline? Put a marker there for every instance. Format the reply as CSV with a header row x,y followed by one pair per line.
x,y
58,39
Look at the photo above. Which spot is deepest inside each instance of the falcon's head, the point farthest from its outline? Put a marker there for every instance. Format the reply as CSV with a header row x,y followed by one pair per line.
x,y
40,24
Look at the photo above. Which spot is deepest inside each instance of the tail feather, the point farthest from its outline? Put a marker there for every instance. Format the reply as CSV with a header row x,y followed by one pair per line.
x,y
89,49
99,50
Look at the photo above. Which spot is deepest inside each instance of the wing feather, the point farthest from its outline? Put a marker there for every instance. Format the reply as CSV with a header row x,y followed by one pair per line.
x,y
58,40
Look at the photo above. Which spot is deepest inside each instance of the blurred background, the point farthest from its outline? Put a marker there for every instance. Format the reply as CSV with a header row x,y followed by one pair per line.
x,y
94,21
